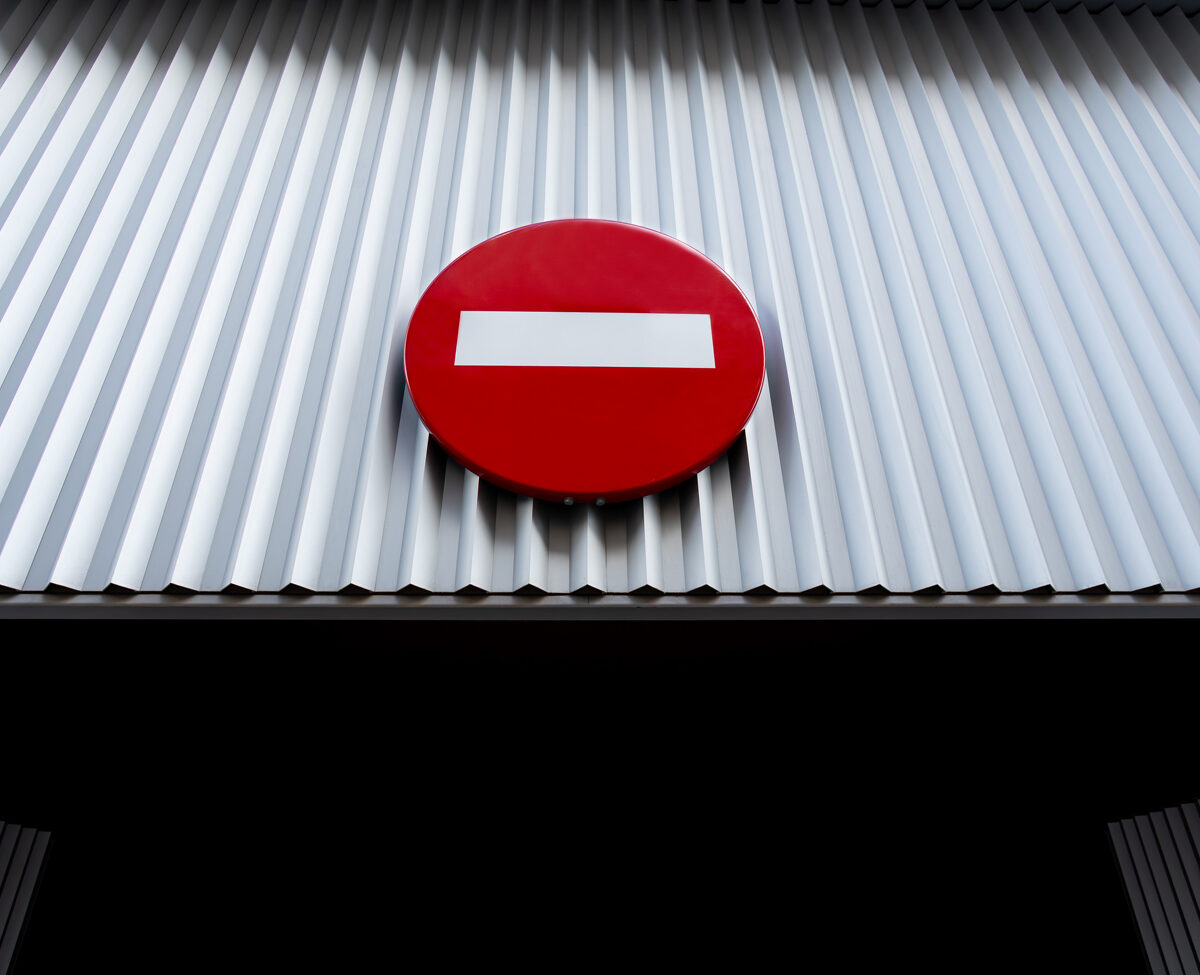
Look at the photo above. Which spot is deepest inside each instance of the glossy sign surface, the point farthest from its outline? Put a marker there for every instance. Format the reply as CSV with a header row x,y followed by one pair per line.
x,y
584,360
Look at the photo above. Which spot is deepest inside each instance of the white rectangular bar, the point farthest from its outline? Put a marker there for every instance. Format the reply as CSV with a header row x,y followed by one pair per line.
x,y
578,338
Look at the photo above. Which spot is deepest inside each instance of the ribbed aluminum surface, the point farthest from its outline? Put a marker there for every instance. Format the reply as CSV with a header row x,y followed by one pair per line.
x,y
971,236
1159,858
22,851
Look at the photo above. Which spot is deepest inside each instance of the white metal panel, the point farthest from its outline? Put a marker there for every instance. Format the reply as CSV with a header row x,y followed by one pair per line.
x,y
970,236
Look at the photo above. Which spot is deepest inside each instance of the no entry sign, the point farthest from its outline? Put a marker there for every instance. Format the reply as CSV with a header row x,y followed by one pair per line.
x,y
584,360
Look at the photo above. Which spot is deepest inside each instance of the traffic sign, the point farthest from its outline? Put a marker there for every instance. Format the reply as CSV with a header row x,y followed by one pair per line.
x,y
584,361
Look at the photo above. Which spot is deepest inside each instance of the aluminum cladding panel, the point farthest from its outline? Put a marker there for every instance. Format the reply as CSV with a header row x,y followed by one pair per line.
x,y
971,236
1159,858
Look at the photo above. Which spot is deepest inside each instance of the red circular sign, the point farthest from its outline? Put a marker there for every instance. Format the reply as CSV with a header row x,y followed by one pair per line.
x,y
584,360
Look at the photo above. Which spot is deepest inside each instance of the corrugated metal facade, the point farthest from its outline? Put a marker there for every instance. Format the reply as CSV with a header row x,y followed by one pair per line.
x,y
22,850
1159,859
971,236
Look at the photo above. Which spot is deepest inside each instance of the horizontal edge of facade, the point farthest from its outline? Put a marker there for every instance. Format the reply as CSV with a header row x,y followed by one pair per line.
x,y
1095,6
597,607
